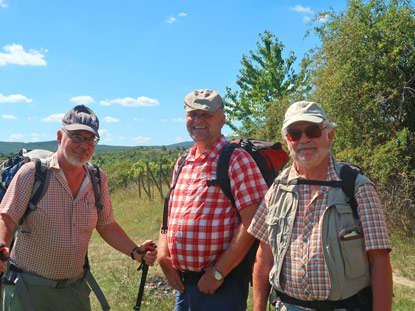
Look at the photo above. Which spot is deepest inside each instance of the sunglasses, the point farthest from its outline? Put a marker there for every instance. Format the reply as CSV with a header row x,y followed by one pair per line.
x,y
312,131
79,139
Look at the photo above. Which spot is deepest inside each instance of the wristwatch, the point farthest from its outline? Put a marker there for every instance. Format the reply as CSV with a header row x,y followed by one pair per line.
x,y
218,276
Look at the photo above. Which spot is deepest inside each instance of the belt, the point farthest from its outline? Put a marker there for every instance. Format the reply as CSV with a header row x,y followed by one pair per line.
x,y
38,280
190,277
359,300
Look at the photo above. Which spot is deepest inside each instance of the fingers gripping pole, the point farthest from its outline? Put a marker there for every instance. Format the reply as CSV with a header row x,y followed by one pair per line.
x,y
150,247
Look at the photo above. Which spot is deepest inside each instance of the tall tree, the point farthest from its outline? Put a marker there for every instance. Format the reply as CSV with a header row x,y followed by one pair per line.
x,y
364,75
265,79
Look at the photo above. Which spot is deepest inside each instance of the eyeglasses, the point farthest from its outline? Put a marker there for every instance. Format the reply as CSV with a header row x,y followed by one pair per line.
x,y
312,131
79,139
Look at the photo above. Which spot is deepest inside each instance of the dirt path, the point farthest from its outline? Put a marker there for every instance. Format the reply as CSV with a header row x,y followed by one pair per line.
x,y
399,279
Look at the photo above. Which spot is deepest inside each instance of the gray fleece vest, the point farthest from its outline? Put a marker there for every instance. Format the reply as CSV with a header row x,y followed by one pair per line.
x,y
344,252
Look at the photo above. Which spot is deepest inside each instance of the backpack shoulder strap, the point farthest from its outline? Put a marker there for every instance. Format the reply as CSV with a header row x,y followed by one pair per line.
x,y
95,175
222,176
40,185
348,176
180,165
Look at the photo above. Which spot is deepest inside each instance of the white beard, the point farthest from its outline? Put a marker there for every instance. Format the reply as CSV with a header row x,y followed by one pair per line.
x,y
73,160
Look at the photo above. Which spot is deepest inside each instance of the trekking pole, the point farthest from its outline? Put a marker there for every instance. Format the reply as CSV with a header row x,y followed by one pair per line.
x,y
2,258
144,267
2,249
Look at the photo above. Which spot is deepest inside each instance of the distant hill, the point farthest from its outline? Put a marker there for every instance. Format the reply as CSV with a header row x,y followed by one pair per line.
x,y
13,147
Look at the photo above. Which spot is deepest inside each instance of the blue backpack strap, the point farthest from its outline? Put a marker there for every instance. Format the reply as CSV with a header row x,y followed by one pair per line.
x,y
180,165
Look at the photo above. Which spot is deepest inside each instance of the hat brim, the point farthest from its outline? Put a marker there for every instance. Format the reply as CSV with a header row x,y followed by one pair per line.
x,y
312,119
200,107
81,127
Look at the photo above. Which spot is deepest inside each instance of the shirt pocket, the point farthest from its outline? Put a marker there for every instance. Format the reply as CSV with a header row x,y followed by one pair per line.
x,y
87,214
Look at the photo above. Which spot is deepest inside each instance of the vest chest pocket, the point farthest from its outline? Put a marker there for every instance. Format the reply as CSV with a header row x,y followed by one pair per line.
x,y
279,221
356,263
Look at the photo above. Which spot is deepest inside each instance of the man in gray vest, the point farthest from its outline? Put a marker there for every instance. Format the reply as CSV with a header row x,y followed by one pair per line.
x,y
316,253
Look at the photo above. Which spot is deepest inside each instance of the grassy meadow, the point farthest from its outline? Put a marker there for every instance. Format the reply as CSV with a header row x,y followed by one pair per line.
x,y
118,277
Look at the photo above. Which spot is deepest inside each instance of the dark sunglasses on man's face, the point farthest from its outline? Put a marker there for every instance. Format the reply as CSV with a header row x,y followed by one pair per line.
x,y
312,131
79,139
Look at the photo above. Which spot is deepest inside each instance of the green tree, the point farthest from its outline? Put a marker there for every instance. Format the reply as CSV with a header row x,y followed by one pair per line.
x,y
364,76
266,81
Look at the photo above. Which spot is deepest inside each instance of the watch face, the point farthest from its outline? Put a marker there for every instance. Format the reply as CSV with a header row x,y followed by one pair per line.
x,y
218,276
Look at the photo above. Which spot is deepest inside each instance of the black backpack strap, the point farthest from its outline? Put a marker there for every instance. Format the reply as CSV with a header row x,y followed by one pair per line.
x,y
180,165
222,177
348,176
40,186
94,286
95,175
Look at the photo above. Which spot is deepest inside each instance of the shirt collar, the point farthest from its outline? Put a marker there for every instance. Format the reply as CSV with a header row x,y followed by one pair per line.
x,y
331,173
213,151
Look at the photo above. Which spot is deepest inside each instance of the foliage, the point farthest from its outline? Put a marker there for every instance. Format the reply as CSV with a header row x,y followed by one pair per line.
x,y
266,81
123,167
364,76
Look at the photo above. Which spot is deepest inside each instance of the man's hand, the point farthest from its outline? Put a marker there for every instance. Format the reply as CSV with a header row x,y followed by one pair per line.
x,y
4,256
172,275
149,255
207,283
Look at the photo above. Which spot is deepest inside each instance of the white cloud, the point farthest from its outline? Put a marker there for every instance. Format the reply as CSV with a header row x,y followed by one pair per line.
x,y
16,137
164,120
306,18
301,9
2,4
16,98
54,118
171,20
17,56
179,139
8,116
140,140
122,138
35,137
105,135
140,119
178,120
182,14
131,102
82,100
111,119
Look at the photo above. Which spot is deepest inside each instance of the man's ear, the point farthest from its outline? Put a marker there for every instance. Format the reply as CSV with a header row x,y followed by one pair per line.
x,y
223,120
59,135
331,134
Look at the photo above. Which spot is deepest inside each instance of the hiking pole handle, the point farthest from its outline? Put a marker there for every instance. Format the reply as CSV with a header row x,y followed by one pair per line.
x,y
2,249
150,247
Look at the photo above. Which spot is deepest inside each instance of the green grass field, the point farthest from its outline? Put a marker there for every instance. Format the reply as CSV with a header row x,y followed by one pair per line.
x,y
119,279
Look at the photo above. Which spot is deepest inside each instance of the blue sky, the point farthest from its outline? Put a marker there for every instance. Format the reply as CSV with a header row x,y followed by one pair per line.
x,y
131,61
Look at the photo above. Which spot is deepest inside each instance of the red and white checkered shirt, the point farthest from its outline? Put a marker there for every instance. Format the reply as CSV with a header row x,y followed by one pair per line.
x,y
54,238
304,273
202,220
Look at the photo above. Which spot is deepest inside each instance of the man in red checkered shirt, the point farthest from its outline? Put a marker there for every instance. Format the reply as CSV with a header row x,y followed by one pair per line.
x,y
315,253
206,236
